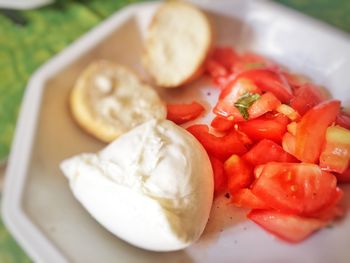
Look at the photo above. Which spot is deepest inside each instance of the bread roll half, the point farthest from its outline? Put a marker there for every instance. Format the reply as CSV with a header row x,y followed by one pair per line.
x,y
177,43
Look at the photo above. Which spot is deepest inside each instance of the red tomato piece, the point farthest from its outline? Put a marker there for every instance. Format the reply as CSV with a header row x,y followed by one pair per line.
x,y
336,152
219,147
220,180
181,113
288,143
306,97
268,151
215,69
267,102
248,61
269,80
292,128
258,170
344,177
312,128
288,111
225,56
245,198
343,119
239,173
295,81
333,210
298,188
244,138
265,127
219,65
291,228
222,124
229,96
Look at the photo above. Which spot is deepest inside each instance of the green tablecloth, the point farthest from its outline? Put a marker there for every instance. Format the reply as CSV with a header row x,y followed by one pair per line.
x,y
50,29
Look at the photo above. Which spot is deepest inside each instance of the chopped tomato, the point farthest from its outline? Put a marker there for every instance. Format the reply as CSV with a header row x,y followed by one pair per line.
x,y
343,119
288,111
222,124
239,173
298,188
291,228
244,138
219,147
220,64
312,128
344,177
181,113
230,95
295,81
336,153
292,128
267,102
245,198
269,80
226,56
219,175
258,170
248,61
333,210
288,143
265,127
267,151
306,97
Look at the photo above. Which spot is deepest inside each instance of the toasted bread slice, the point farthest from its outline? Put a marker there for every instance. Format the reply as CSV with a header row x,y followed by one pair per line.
x,y
109,99
177,43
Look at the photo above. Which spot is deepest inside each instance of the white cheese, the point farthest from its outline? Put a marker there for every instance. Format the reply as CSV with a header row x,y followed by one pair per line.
x,y
152,187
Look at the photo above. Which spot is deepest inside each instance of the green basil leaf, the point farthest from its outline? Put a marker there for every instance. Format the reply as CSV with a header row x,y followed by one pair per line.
x,y
244,102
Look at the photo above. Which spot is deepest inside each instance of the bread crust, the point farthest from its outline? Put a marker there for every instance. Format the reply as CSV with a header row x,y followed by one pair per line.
x,y
93,123
193,73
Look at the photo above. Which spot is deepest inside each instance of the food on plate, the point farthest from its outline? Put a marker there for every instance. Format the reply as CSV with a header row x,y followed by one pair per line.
x,y
152,186
177,43
277,145
108,99
181,113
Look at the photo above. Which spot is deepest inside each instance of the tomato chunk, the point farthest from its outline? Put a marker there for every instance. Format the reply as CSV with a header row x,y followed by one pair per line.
x,y
265,127
336,153
269,80
298,188
288,111
181,113
222,124
291,228
343,119
344,177
250,60
245,198
306,97
239,173
230,95
219,175
267,151
288,143
312,128
219,147
333,210
267,102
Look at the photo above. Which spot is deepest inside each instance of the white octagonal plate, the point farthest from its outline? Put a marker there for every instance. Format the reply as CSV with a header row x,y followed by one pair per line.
x,y
52,226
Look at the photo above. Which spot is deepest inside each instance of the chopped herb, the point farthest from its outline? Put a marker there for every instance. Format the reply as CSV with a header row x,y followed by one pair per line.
x,y
244,102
